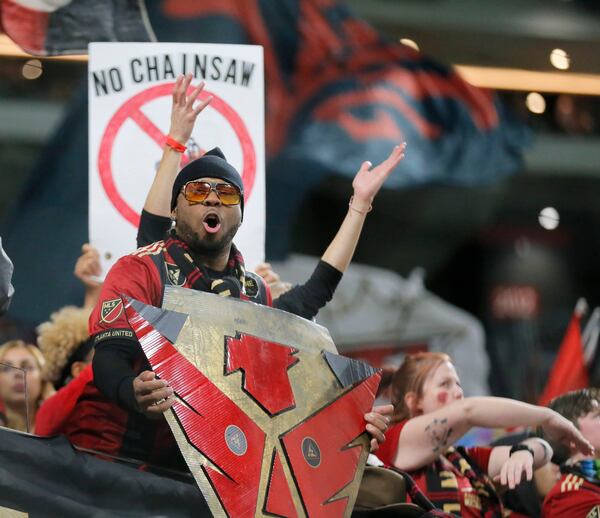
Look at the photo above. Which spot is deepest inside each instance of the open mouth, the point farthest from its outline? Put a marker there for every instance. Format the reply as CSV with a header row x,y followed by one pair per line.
x,y
212,223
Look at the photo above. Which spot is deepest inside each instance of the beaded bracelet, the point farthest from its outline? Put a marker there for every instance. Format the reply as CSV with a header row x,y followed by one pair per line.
x,y
359,211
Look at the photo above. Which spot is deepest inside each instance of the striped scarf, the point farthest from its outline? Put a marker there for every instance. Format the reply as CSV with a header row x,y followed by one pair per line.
x,y
441,493
229,284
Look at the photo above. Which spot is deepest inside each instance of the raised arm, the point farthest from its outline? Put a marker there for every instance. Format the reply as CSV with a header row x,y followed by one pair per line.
x,y
366,185
307,299
183,118
425,437
88,271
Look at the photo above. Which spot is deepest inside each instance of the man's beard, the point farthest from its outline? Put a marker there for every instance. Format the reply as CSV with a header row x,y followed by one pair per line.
x,y
205,247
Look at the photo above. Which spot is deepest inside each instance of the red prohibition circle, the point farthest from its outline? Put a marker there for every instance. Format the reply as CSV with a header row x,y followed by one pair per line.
x,y
131,107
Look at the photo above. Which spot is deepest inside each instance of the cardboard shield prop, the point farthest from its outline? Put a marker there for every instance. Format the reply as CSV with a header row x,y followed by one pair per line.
x,y
268,417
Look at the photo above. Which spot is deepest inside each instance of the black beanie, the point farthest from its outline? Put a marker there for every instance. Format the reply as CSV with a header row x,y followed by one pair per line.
x,y
211,165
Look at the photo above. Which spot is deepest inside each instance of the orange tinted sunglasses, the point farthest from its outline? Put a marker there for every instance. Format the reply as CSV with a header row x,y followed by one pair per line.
x,y
197,191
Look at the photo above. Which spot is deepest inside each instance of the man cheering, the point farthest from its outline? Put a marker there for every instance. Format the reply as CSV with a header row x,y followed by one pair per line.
x,y
120,413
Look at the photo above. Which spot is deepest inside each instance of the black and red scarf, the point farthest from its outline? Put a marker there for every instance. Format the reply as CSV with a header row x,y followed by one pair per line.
x,y
231,283
441,494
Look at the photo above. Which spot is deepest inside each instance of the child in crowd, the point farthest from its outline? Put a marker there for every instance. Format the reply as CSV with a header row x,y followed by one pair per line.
x,y
577,493
66,344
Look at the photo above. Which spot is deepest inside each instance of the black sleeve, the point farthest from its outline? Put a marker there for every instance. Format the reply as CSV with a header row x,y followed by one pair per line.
x,y
152,228
113,370
307,299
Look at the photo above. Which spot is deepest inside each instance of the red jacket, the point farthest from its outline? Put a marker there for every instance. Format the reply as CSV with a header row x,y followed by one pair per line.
x,y
55,414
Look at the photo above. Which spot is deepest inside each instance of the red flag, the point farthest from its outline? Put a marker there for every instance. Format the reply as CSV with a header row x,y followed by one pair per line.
x,y
569,371
25,25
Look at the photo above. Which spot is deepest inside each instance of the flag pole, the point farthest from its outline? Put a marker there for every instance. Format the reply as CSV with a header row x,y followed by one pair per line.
x,y
581,307
590,336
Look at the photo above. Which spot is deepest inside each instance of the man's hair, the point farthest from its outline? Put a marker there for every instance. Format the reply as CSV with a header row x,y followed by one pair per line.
x,y
572,405
575,404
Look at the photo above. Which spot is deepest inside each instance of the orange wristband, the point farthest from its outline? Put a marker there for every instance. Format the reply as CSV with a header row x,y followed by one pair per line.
x,y
177,146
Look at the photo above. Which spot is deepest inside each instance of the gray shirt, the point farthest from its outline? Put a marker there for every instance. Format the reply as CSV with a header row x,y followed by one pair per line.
x,y
6,288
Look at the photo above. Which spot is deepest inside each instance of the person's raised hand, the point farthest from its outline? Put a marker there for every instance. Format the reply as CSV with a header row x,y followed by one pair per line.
x,y
153,396
368,180
183,111
87,267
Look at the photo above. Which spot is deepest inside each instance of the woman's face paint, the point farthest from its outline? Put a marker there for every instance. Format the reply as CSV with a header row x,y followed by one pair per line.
x,y
441,388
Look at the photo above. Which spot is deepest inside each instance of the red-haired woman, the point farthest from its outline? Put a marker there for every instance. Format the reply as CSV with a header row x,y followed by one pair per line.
x,y
431,414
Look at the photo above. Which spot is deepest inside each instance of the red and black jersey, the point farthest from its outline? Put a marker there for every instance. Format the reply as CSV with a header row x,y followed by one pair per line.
x,y
143,275
574,497
104,418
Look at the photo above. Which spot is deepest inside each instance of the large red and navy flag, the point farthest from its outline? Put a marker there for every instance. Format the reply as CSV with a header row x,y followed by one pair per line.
x,y
338,93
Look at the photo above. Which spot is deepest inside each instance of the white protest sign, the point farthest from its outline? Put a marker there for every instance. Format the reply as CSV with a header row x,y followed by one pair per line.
x,y
130,87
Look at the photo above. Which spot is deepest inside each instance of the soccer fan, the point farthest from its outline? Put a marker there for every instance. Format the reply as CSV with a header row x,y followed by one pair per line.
x,y
65,342
577,493
22,385
120,413
431,414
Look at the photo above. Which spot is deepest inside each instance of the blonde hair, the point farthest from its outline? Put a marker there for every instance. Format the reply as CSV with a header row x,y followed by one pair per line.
x,y
17,422
411,377
60,337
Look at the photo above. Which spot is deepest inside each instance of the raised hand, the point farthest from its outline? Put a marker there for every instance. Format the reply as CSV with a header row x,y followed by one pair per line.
x,y
367,182
87,267
89,271
183,111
